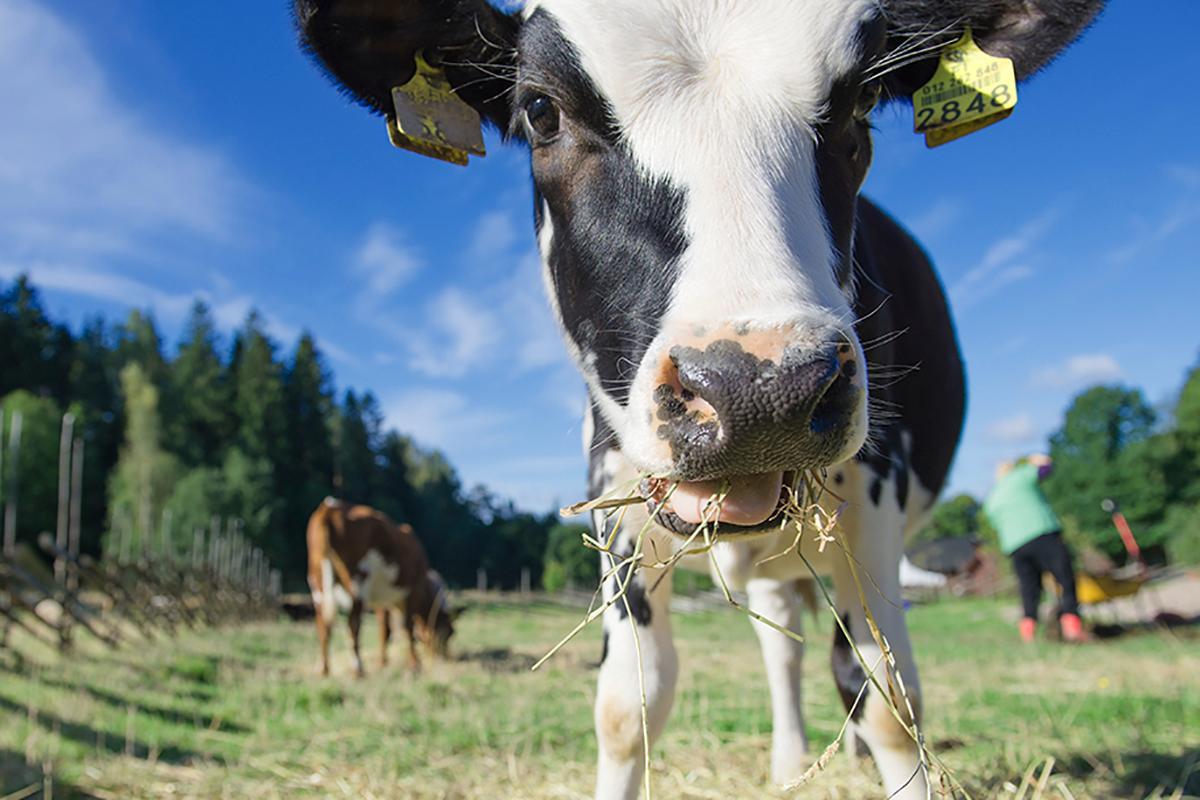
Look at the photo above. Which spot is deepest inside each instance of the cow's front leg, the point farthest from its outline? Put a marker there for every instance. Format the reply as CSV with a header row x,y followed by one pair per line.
x,y
385,634
881,720
356,612
645,607
410,630
779,602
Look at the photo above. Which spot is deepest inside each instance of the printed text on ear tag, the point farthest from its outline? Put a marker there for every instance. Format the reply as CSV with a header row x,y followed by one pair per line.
x,y
969,91
432,120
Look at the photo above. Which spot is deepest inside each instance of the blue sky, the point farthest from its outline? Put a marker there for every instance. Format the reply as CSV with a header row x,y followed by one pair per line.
x,y
153,152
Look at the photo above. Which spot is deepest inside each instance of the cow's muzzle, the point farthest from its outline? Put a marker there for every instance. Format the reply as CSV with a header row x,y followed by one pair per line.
x,y
736,422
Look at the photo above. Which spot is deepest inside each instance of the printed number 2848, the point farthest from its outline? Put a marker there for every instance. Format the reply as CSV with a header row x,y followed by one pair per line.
x,y
951,110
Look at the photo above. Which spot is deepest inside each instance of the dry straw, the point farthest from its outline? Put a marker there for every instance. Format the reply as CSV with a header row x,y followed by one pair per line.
x,y
804,509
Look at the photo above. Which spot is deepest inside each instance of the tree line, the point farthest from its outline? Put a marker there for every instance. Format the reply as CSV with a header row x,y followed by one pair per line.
x,y
1113,444
235,430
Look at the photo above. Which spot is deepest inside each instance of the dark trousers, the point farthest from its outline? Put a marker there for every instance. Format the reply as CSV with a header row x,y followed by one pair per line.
x,y
1046,553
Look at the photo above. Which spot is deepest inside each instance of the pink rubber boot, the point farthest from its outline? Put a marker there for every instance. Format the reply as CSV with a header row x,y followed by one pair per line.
x,y
1072,628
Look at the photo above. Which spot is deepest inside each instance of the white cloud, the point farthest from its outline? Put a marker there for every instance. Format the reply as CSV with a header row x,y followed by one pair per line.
x,y
1078,371
495,234
936,219
1012,430
497,314
1186,174
460,331
997,268
102,286
384,264
83,174
1183,215
86,180
228,310
443,418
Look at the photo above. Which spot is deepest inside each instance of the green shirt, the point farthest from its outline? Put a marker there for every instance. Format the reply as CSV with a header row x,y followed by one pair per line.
x,y
1018,510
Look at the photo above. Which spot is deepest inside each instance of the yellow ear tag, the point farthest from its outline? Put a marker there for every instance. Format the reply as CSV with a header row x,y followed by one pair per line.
x,y
969,91
432,120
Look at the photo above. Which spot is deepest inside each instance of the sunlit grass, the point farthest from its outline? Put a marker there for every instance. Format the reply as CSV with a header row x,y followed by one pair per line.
x,y
241,713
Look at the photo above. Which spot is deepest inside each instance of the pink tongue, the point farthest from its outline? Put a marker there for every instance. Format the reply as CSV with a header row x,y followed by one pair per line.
x,y
751,499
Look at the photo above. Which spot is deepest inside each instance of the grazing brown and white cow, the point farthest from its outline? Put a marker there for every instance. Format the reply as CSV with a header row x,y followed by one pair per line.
x,y
358,558
696,168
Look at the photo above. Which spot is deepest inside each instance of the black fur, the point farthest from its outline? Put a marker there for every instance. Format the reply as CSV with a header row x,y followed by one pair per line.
x,y
368,47
617,235
848,674
1030,32
905,324
635,593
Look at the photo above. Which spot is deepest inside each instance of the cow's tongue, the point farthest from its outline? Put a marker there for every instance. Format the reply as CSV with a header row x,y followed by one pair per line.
x,y
752,499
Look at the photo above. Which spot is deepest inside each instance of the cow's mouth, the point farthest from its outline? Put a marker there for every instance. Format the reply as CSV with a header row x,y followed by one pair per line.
x,y
739,504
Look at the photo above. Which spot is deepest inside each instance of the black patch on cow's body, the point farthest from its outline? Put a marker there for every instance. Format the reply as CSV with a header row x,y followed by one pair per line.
x,y
604,647
888,460
848,674
903,313
635,593
617,235
635,601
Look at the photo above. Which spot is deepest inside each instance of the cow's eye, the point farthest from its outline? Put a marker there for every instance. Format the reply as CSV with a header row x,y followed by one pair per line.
x,y
867,99
541,114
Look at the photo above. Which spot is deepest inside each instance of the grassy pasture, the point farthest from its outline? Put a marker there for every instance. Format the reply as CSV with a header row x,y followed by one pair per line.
x,y
240,713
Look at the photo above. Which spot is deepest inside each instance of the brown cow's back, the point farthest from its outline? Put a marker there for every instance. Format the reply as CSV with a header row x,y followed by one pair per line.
x,y
365,553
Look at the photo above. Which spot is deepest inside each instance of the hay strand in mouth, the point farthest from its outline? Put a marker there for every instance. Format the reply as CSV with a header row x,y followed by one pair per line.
x,y
804,506
624,495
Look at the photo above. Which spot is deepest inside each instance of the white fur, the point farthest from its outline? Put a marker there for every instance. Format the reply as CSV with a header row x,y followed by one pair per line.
x,y
377,588
874,535
782,657
721,97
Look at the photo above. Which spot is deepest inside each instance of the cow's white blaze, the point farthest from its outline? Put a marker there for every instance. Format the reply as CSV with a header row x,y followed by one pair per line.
x,y
723,99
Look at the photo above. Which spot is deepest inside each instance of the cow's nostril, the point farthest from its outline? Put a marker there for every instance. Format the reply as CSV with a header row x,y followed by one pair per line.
x,y
837,402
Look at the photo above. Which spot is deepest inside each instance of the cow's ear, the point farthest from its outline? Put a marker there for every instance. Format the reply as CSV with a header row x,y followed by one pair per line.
x,y
1030,32
370,46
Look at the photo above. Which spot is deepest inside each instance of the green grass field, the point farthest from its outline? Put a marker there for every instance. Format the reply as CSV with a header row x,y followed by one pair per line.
x,y
240,713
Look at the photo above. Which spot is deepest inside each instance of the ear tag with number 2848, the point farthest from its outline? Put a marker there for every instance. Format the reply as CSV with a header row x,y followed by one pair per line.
x,y
969,91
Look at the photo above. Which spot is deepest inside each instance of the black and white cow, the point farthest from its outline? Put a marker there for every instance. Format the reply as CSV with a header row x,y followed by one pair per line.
x,y
721,286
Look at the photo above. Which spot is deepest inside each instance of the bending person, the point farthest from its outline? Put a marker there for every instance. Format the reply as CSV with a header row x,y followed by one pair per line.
x,y
1031,534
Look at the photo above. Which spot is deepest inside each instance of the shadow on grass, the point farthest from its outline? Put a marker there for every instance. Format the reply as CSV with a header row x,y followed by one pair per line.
x,y
103,740
165,714
1166,622
18,777
498,659
1139,774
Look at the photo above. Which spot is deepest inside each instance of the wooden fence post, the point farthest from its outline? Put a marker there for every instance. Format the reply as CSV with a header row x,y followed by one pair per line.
x,y
197,548
166,547
65,438
12,484
481,580
74,531
3,485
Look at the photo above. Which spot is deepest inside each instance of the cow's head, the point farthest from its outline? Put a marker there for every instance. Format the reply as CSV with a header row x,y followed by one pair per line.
x,y
437,626
696,165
